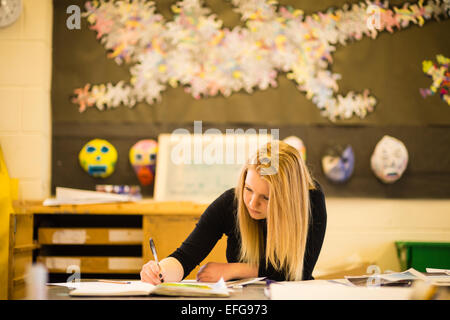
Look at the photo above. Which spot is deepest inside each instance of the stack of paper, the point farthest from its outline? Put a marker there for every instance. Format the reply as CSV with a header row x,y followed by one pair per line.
x,y
77,196
434,270
405,278
325,290
389,286
390,279
438,277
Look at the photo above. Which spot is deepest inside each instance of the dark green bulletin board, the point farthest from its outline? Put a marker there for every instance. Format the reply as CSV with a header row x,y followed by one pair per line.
x,y
390,66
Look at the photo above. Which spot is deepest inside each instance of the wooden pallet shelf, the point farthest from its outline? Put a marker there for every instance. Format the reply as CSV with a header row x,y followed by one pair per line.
x,y
104,240
98,236
105,265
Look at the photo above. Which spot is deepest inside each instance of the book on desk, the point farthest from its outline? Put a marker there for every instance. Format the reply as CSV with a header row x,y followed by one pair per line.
x,y
139,288
186,288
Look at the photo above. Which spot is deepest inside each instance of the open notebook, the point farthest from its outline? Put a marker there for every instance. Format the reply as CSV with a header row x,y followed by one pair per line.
x,y
139,288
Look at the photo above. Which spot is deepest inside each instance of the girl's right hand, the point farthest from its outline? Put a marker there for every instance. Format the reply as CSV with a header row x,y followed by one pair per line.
x,y
151,273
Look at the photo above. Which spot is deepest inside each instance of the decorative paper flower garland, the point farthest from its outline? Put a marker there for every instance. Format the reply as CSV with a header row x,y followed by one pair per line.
x,y
441,78
195,51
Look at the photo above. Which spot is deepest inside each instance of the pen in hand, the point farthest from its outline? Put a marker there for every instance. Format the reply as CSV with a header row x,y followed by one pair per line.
x,y
152,247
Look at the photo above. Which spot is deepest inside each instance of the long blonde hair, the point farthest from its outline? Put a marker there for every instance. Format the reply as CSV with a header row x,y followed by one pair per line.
x,y
288,211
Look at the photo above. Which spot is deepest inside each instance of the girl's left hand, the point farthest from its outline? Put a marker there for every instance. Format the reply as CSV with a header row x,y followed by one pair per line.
x,y
213,271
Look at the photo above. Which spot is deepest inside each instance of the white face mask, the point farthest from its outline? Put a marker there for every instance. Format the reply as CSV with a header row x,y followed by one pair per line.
x,y
389,159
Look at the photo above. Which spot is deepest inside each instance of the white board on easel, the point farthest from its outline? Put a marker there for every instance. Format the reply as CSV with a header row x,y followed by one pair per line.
x,y
200,167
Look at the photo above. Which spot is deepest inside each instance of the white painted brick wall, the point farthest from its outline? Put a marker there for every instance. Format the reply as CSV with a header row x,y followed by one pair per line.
x,y
25,111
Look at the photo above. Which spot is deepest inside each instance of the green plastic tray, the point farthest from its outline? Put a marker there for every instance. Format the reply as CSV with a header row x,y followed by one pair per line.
x,y
422,255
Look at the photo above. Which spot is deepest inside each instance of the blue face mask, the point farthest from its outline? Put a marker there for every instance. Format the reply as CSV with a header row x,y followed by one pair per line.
x,y
338,163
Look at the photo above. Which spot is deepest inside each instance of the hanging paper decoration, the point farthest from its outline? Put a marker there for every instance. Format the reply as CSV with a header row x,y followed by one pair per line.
x,y
441,78
338,163
389,159
298,144
195,51
143,159
98,158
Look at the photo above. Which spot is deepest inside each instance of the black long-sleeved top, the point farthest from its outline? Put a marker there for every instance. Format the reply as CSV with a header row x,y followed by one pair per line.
x,y
220,218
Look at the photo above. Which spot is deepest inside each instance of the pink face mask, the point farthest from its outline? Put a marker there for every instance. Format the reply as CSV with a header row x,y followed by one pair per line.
x,y
389,159
143,159
298,144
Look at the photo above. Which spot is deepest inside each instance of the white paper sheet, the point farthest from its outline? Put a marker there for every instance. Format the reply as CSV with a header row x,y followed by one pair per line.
x,y
324,290
78,196
434,270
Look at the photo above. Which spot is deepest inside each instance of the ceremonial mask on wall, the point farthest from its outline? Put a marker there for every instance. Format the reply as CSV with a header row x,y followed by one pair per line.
x,y
298,144
389,159
98,158
143,159
338,163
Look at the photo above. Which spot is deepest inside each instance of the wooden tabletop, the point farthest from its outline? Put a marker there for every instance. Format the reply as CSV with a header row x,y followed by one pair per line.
x,y
145,206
